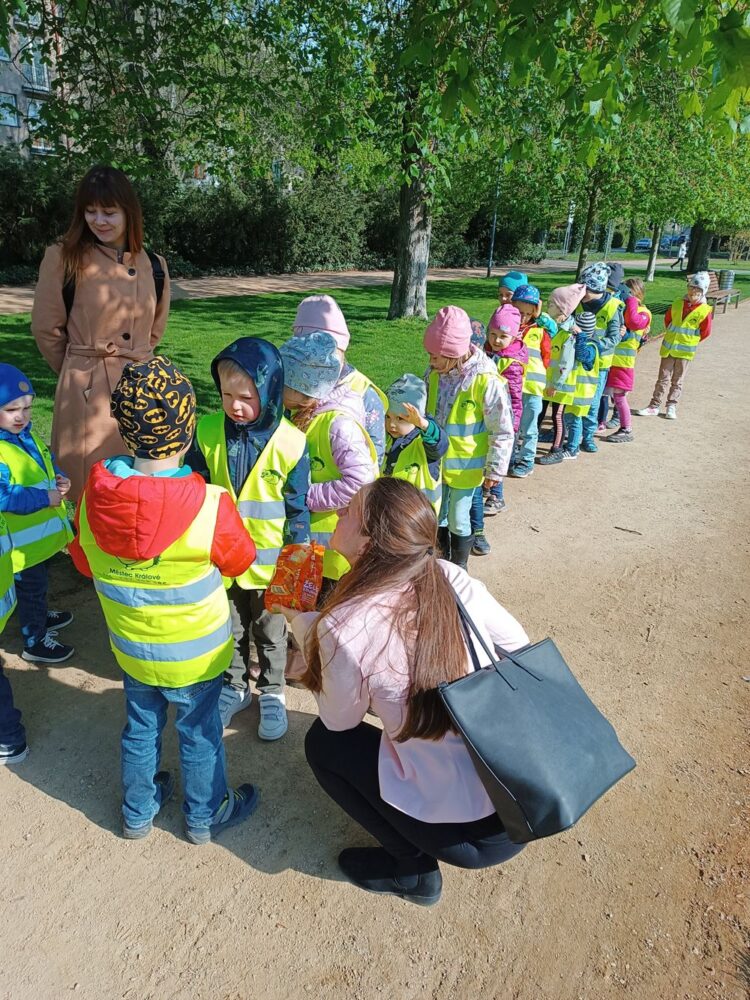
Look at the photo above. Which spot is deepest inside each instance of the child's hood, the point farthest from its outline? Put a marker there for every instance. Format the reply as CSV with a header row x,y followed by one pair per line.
x,y
138,517
262,362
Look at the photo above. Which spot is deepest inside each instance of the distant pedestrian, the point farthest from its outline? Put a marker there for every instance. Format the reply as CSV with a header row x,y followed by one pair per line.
x,y
681,256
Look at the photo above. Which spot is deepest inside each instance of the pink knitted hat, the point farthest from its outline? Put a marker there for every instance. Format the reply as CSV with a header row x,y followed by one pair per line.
x,y
449,333
321,312
566,299
506,319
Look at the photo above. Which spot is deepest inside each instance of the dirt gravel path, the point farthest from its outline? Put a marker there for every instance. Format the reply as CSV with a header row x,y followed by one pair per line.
x,y
636,561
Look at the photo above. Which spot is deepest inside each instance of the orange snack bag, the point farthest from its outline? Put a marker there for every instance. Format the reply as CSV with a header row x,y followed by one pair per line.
x,y
298,577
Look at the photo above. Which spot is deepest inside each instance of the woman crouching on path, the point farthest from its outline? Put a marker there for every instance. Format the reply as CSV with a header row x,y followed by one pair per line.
x,y
385,638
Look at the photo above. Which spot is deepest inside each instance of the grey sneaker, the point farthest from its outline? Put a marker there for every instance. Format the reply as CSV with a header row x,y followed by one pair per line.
x,y
480,545
231,701
165,784
13,753
273,721
238,805
671,413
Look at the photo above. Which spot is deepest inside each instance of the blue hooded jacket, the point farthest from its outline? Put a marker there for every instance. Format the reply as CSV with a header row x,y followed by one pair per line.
x,y
245,442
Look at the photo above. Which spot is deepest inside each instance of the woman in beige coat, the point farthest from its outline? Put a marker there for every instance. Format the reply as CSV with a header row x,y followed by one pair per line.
x,y
115,317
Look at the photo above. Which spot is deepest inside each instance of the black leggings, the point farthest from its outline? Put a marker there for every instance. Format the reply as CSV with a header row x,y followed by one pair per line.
x,y
346,766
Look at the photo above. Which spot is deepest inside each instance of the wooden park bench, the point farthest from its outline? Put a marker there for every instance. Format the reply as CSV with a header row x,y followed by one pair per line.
x,y
715,295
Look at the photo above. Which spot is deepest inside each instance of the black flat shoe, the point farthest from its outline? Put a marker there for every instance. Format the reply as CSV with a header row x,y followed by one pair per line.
x,y
374,870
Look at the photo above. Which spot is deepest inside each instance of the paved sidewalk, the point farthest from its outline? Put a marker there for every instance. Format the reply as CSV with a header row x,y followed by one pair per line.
x,y
19,300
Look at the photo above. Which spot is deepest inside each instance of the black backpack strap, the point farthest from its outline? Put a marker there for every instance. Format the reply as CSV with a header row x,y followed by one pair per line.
x,y
68,294
158,272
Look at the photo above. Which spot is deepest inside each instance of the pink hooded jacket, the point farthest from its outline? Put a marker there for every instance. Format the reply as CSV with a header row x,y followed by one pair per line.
x,y
513,374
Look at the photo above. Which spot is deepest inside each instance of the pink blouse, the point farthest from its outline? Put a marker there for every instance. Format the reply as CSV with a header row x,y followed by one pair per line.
x,y
366,666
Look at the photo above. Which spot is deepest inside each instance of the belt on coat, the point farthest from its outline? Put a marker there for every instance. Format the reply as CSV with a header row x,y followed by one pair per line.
x,y
105,351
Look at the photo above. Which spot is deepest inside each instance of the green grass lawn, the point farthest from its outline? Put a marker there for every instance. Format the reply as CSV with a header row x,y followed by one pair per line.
x,y
198,329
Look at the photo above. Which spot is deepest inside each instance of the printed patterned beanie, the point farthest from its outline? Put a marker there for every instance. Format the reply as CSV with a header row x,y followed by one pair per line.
x,y
527,293
407,389
311,365
154,406
595,277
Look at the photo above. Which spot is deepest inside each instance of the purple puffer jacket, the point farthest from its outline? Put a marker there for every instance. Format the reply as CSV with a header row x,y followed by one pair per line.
x,y
513,374
351,452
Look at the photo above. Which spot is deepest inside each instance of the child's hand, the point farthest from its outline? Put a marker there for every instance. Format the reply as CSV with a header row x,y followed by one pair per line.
x,y
53,497
549,392
413,416
489,484
63,485
289,613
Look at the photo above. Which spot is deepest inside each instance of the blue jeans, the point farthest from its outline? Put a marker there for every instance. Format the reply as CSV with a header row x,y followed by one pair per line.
x,y
591,420
202,761
528,430
455,511
12,733
31,591
477,511
574,432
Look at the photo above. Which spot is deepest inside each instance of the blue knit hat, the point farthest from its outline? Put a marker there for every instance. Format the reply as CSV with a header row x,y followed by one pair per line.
x,y
311,365
512,280
13,384
527,293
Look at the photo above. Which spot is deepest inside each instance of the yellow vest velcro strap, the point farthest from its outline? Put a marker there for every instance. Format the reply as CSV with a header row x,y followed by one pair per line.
x,y
141,597
460,464
27,536
173,652
7,602
262,508
465,430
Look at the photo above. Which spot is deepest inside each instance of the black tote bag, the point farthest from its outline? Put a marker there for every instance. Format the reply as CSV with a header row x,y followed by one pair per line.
x,y
543,750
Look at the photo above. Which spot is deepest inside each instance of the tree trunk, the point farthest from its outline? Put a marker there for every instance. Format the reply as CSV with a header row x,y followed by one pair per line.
x,y
632,237
409,288
700,241
588,227
655,238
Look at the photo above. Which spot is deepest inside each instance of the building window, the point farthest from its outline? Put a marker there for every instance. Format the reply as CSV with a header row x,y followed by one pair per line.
x,y
33,66
8,110
33,114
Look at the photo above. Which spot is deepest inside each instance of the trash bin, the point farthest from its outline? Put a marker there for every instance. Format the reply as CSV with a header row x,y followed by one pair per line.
x,y
726,279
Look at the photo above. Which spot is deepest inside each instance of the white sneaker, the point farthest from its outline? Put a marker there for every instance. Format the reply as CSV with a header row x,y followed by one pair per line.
x,y
671,413
273,720
231,701
647,411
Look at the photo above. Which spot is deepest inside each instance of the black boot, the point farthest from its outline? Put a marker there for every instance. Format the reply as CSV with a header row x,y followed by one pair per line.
x,y
460,549
373,869
444,543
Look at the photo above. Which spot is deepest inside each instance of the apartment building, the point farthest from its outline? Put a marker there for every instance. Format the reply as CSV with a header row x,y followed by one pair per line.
x,y
24,86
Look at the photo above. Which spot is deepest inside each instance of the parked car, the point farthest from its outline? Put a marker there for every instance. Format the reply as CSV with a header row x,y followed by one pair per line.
x,y
643,246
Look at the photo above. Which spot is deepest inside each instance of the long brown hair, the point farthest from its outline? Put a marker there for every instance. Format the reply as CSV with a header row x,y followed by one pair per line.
x,y
401,557
637,288
105,186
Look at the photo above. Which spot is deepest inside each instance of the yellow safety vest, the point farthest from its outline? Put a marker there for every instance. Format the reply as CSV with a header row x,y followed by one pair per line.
x,y
412,465
7,588
503,363
36,537
566,394
627,350
682,336
602,320
468,440
585,390
261,501
535,376
168,617
360,383
323,469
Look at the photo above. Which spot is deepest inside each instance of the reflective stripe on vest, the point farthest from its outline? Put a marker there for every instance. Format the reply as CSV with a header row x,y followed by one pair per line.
x,y
261,501
468,440
602,319
412,465
585,389
168,617
323,469
535,376
36,537
7,588
682,336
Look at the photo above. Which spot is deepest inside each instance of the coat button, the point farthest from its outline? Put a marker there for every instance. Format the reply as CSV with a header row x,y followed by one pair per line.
x,y
131,271
126,336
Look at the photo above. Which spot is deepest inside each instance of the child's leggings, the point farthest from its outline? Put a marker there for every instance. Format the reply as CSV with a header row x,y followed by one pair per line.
x,y
558,423
623,408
